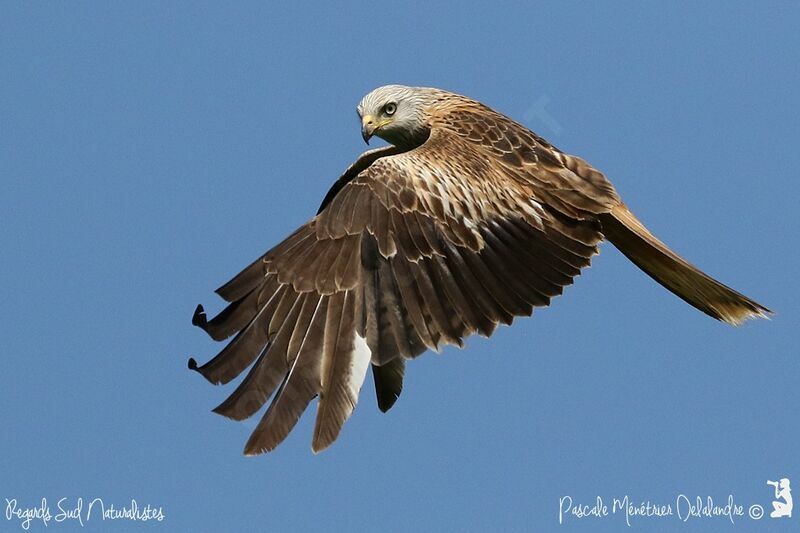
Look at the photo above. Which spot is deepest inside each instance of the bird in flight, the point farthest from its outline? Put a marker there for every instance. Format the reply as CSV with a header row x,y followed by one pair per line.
x,y
465,221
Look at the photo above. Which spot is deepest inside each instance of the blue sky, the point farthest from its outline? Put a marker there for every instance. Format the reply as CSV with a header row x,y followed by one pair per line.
x,y
149,150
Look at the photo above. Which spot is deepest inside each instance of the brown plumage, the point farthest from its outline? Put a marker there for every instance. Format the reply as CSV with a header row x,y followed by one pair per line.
x,y
467,221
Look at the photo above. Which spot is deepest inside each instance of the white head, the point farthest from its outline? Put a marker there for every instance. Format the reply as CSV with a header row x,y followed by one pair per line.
x,y
397,114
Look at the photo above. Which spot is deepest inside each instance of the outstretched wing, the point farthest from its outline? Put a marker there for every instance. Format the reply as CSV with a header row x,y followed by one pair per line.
x,y
420,249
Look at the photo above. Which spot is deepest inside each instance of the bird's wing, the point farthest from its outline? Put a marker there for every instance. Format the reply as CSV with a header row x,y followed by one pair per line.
x,y
560,181
568,185
419,250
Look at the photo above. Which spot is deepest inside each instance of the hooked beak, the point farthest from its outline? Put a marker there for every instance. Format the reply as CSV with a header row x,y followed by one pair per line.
x,y
368,127
370,124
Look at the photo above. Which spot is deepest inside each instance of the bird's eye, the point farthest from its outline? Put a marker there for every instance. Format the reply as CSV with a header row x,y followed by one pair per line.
x,y
390,108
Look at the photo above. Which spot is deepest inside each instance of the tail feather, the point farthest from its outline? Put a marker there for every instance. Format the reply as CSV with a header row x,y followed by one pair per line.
x,y
688,282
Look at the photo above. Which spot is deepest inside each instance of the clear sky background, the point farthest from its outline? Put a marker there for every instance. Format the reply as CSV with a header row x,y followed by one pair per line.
x,y
149,150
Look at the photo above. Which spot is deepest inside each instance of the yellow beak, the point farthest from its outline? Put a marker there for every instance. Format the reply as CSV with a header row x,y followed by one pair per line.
x,y
369,125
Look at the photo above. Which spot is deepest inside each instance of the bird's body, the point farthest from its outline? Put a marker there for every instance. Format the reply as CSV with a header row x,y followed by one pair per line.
x,y
467,221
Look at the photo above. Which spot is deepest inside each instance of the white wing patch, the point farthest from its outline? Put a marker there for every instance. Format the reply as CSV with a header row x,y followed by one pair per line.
x,y
358,364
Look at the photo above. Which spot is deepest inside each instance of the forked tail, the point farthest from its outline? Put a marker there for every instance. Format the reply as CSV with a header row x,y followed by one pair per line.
x,y
705,293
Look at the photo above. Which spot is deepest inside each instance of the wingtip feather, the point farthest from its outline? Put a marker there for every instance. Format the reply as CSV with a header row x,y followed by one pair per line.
x,y
199,318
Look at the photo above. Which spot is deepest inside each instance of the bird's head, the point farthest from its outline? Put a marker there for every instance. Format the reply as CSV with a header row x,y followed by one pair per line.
x,y
397,114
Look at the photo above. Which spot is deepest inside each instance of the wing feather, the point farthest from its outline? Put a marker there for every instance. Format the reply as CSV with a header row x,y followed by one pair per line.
x,y
483,298
418,313
438,305
244,348
346,357
267,373
418,250
253,274
297,390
